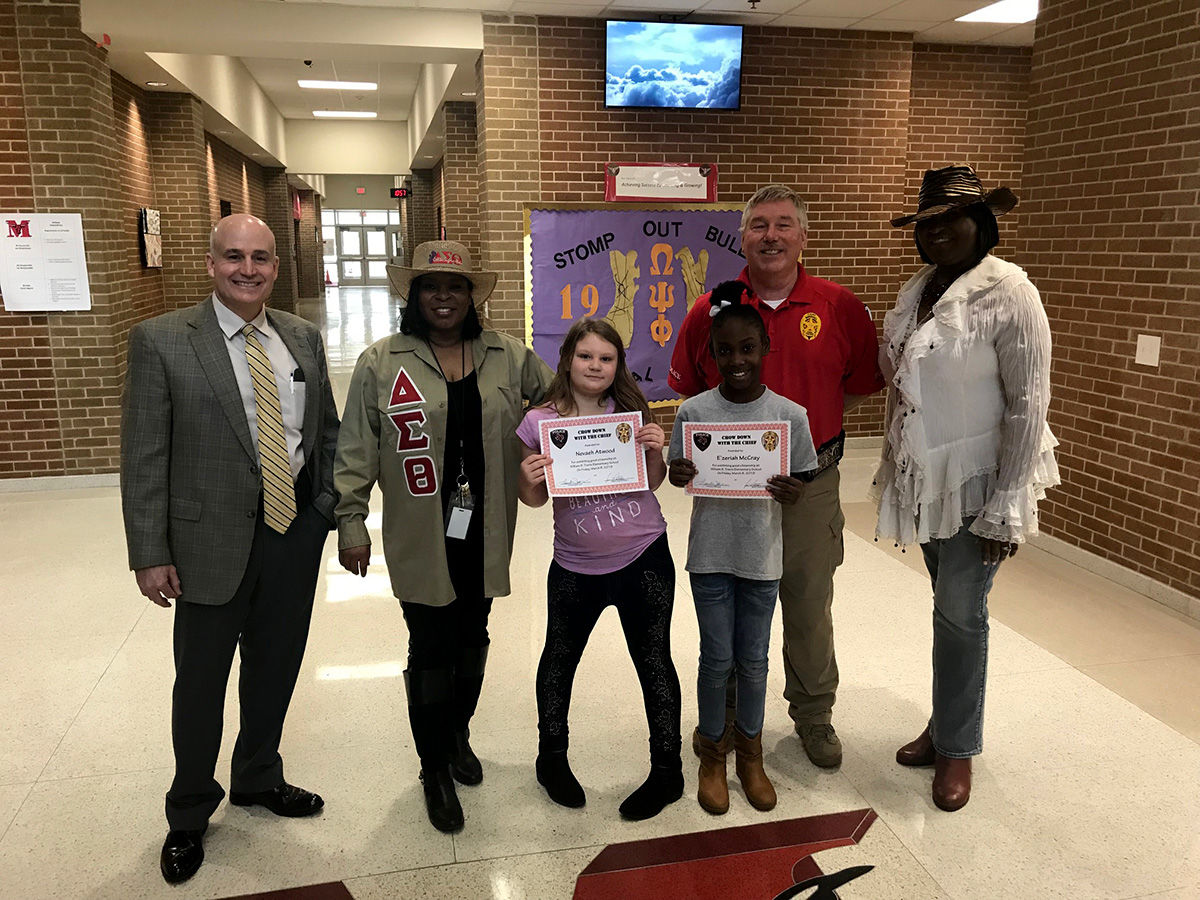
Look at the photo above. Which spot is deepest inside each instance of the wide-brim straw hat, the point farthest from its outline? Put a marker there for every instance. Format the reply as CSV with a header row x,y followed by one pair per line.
x,y
953,188
432,257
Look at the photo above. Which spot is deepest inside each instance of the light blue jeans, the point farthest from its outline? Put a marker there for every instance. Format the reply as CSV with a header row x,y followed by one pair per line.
x,y
961,582
735,633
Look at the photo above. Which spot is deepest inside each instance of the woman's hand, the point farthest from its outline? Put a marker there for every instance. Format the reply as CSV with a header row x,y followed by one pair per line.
x,y
356,559
651,437
995,552
785,489
681,471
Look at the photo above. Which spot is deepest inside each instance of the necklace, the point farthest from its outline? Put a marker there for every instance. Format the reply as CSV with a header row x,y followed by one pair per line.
x,y
931,291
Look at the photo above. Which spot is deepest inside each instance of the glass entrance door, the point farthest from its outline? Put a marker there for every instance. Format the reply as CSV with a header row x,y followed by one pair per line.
x,y
362,254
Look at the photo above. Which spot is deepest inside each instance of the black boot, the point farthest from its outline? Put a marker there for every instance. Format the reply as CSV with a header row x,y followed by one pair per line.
x,y
661,788
555,775
429,704
468,682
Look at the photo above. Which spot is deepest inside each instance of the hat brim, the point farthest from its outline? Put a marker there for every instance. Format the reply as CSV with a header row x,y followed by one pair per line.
x,y
999,201
482,283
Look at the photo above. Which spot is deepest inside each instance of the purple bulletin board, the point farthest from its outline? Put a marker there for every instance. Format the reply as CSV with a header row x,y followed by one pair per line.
x,y
640,267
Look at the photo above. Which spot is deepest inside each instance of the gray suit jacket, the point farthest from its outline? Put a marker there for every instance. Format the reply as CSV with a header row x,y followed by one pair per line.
x,y
190,480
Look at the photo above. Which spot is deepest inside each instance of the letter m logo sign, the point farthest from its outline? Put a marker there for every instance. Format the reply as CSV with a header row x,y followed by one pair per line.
x,y
18,229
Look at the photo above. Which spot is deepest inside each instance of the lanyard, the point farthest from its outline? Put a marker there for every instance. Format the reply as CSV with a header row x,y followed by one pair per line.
x,y
464,484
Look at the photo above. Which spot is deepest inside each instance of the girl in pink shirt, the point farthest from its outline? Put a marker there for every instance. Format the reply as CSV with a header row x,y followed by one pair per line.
x,y
609,550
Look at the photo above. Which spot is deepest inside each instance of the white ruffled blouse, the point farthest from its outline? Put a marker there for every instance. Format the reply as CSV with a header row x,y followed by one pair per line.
x,y
966,413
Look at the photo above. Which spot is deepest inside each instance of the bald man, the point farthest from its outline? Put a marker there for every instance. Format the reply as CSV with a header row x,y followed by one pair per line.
x,y
228,431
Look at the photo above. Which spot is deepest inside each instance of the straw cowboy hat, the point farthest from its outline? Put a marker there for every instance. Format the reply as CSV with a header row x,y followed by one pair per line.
x,y
442,256
952,188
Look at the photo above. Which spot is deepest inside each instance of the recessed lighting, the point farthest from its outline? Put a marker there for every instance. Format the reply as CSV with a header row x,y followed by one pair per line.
x,y
338,85
1005,12
343,114
468,93
156,84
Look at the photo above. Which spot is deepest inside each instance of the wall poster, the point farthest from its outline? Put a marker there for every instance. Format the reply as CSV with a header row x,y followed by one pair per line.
x,y
640,267
42,263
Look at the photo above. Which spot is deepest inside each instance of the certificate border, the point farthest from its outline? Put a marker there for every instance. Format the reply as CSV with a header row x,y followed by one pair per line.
x,y
633,418
785,450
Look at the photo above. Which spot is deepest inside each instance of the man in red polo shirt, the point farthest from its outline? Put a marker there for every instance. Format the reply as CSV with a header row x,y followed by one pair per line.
x,y
823,355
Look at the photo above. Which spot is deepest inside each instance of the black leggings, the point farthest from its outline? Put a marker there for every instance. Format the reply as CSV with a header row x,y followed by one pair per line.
x,y
643,593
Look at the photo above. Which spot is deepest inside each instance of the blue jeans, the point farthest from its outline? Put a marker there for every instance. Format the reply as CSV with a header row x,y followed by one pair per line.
x,y
961,581
735,633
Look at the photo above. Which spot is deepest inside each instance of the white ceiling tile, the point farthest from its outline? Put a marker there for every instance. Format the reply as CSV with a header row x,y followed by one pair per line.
x,y
592,10
800,21
843,9
961,32
1017,36
630,10
934,10
469,5
877,23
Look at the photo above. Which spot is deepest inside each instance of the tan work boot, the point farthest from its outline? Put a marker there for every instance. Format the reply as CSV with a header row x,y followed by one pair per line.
x,y
758,788
713,791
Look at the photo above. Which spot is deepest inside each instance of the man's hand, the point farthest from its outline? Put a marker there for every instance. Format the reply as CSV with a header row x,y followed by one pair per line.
x,y
681,471
356,559
159,584
995,552
785,488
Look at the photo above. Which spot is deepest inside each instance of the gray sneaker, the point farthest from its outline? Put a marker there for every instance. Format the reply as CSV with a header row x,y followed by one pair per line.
x,y
821,744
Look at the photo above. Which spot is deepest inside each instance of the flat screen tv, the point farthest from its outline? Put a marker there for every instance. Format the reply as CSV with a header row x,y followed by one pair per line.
x,y
673,64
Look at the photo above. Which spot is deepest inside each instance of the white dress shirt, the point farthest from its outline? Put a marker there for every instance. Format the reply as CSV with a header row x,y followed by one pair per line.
x,y
291,392
966,412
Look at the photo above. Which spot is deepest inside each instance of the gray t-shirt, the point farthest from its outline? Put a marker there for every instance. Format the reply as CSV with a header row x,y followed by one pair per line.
x,y
732,535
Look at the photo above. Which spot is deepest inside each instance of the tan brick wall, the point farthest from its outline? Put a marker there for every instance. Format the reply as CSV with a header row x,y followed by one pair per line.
x,y
460,175
233,177
279,215
30,443
175,128
1111,234
310,270
421,222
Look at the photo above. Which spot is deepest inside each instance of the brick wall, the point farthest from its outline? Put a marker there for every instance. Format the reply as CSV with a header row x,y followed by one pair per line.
x,y
175,129
233,177
823,111
29,418
422,225
310,270
279,216
131,111
460,176
1111,234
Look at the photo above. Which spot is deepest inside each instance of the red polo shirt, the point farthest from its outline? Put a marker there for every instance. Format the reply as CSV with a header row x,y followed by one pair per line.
x,y
823,346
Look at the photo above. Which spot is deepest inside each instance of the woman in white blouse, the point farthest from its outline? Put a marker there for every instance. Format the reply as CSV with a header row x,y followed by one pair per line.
x,y
968,453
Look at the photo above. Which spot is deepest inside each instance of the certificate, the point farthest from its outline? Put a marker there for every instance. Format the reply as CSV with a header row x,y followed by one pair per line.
x,y
594,455
735,459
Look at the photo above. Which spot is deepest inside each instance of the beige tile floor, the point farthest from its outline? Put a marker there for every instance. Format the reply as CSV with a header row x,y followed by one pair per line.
x,y
1089,786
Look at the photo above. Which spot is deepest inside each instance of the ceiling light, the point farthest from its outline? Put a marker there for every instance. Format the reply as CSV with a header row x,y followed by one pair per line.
x,y
343,114
156,84
338,85
468,93
1005,12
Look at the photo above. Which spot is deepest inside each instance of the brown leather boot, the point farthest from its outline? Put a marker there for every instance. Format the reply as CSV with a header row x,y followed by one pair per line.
x,y
919,752
713,791
750,773
951,782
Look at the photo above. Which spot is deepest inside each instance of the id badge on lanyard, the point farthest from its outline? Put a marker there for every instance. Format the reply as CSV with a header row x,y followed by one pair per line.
x,y
460,508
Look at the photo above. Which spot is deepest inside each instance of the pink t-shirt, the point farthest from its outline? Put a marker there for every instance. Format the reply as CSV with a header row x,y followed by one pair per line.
x,y
602,533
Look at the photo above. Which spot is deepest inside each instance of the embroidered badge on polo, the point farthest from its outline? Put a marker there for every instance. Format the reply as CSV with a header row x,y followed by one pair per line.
x,y
810,326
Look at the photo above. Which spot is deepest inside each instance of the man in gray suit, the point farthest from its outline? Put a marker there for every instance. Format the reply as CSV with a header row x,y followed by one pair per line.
x,y
228,432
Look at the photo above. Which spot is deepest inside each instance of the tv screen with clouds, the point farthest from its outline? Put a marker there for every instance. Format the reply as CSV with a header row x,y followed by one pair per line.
x,y
672,64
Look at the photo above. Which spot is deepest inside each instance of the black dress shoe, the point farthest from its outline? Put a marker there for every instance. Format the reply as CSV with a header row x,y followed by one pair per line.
x,y
182,853
441,800
464,764
284,800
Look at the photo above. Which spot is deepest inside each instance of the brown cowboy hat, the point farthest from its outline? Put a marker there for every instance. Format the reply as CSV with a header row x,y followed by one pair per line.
x,y
951,188
442,256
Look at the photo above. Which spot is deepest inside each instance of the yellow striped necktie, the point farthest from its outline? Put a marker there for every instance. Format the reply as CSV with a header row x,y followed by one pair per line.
x,y
279,498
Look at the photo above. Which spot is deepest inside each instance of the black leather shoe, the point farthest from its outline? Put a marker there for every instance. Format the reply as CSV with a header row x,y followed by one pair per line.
x,y
284,800
182,853
464,764
441,800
